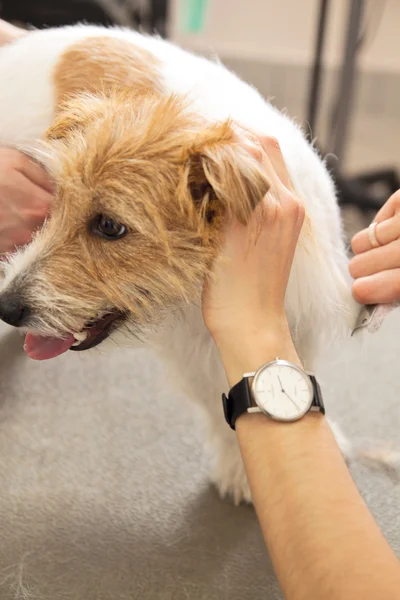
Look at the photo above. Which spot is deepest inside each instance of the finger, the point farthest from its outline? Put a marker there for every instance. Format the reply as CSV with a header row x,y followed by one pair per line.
x,y
20,238
281,186
34,219
265,150
376,260
15,238
385,232
272,149
280,201
9,33
381,288
246,135
35,173
390,208
23,195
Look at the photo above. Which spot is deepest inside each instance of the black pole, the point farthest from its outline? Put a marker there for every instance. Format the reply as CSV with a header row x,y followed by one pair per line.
x,y
315,87
159,17
347,82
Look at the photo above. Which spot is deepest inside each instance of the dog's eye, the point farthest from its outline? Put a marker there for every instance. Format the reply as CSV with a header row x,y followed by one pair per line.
x,y
108,228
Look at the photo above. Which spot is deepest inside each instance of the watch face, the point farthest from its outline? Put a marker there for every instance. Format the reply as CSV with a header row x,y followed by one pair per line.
x,y
282,391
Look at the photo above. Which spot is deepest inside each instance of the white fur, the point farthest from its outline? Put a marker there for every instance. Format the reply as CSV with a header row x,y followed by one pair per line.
x,y
319,303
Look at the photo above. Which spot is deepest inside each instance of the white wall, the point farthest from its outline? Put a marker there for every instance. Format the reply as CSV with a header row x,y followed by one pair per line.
x,y
283,31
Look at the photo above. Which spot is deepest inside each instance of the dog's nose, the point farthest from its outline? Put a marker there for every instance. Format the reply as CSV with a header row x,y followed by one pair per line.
x,y
13,310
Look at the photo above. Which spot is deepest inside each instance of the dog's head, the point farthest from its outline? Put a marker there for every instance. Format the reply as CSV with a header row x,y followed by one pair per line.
x,y
143,188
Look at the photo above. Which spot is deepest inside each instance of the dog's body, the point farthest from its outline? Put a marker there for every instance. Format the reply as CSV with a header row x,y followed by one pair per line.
x,y
37,74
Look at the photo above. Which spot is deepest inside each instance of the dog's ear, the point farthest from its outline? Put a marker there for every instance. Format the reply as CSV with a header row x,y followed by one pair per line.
x,y
73,114
222,176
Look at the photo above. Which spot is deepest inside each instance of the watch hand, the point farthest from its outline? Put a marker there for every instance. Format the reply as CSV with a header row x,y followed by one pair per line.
x,y
286,394
291,400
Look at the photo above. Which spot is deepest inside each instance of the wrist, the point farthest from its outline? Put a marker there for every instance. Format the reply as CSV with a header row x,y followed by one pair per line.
x,y
247,350
237,327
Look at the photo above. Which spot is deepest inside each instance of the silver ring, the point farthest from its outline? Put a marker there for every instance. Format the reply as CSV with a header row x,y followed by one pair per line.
x,y
372,235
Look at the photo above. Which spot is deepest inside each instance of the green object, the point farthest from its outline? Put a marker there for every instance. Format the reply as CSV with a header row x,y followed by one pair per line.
x,y
194,15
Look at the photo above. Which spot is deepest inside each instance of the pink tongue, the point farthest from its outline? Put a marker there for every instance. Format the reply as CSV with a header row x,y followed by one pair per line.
x,y
39,347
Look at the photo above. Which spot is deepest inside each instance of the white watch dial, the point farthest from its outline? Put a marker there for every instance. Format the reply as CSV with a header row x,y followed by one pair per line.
x,y
282,391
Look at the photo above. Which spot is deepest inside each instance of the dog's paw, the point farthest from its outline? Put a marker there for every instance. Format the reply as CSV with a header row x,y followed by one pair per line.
x,y
229,476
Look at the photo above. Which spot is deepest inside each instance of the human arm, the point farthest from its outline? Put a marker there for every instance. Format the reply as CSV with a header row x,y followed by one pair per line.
x,y
25,198
322,539
9,33
25,189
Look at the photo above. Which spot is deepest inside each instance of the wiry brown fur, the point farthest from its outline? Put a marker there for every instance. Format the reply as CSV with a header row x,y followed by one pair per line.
x,y
151,164
101,63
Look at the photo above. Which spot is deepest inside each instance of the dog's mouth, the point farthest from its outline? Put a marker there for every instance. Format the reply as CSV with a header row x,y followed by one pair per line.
x,y
41,347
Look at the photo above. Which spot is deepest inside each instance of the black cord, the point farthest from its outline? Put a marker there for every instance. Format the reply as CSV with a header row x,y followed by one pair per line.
x,y
314,96
365,37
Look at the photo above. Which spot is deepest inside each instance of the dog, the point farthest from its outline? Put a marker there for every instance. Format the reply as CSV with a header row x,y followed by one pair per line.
x,y
139,139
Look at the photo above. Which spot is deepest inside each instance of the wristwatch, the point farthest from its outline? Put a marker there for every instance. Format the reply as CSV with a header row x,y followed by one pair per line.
x,y
279,389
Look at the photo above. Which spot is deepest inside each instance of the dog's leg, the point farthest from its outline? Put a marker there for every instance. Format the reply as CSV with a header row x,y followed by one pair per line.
x,y
227,468
194,366
309,347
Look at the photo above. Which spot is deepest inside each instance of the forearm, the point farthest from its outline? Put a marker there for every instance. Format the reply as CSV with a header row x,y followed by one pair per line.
x,y
322,539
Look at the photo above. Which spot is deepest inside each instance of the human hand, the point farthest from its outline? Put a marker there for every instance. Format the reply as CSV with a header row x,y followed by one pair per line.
x,y
243,300
9,33
376,270
25,198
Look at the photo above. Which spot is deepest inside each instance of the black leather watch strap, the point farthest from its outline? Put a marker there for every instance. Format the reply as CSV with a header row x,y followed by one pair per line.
x,y
317,402
239,400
